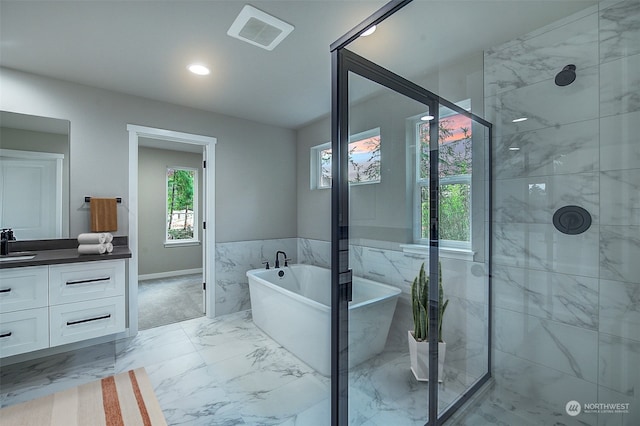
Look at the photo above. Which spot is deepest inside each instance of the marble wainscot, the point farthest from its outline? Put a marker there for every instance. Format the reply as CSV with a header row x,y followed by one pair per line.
x,y
234,259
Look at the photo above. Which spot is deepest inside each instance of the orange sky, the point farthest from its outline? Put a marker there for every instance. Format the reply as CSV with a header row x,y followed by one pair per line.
x,y
457,122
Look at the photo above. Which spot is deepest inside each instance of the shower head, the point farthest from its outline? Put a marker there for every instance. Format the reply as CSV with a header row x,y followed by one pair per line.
x,y
566,76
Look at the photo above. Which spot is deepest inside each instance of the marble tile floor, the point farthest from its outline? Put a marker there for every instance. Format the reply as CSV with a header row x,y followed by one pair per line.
x,y
501,407
493,407
226,371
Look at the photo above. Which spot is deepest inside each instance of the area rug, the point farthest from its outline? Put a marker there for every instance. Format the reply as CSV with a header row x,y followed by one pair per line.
x,y
123,399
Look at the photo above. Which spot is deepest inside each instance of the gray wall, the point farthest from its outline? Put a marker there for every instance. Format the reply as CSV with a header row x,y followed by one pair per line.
x,y
381,211
255,163
378,211
154,257
314,205
29,140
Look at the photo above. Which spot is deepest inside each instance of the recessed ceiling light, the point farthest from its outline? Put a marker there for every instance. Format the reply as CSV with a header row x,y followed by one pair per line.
x,y
518,120
199,69
371,30
427,117
514,148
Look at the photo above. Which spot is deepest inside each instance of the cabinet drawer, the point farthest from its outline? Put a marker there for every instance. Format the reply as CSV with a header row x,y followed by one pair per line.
x,y
23,288
73,322
24,331
85,281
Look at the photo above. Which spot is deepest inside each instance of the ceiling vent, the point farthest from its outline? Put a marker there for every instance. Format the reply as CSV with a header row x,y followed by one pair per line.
x,y
258,28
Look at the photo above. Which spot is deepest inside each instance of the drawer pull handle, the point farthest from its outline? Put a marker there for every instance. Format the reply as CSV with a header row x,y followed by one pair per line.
x,y
92,280
88,320
5,290
5,335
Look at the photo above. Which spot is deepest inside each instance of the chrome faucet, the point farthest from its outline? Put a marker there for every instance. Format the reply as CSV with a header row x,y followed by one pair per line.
x,y
7,235
286,260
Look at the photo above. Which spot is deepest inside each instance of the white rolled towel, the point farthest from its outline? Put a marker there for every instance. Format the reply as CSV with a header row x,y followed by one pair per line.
x,y
92,248
108,247
93,238
108,237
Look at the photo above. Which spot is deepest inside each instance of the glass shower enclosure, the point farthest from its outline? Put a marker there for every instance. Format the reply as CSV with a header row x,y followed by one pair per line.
x,y
558,338
411,192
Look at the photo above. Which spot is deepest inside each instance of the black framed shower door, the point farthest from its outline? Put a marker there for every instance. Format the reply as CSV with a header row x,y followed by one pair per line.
x,y
345,65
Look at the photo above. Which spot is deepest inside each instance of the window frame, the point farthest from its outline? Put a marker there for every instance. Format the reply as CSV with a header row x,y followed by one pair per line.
x,y
420,183
196,237
316,160
316,166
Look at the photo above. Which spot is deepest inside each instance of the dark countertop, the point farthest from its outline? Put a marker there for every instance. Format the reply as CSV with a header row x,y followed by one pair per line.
x,y
53,252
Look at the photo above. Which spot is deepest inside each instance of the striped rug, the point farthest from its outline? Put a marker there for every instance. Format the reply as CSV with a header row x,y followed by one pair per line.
x,y
124,399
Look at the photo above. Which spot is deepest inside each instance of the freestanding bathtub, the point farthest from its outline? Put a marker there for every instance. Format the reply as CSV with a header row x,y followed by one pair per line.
x,y
294,310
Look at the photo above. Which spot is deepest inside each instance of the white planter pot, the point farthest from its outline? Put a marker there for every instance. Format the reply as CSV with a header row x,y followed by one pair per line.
x,y
419,354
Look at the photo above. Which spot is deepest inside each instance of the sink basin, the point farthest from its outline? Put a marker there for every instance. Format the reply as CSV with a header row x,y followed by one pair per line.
x,y
17,256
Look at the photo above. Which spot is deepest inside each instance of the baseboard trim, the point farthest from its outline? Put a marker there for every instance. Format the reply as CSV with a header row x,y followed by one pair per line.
x,y
169,274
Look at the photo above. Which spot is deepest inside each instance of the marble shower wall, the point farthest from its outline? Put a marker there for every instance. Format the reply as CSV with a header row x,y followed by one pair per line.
x,y
567,307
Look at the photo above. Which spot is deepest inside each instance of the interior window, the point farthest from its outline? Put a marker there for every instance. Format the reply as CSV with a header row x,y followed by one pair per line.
x,y
182,212
364,160
455,168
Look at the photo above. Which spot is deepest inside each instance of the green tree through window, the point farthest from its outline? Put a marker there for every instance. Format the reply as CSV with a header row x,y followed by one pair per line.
x,y
181,215
455,161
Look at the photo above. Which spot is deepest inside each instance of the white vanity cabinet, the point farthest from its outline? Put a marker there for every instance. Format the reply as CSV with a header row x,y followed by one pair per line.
x,y
24,313
86,300
47,306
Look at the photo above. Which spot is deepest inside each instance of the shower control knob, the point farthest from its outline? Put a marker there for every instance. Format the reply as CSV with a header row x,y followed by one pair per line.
x,y
571,220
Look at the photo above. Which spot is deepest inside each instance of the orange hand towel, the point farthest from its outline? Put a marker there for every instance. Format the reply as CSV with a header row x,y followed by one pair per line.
x,y
104,214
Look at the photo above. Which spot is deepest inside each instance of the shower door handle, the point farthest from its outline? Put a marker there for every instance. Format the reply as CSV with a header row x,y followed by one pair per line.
x,y
346,285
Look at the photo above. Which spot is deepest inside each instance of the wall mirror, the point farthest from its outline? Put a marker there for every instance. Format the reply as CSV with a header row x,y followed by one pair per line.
x,y
34,176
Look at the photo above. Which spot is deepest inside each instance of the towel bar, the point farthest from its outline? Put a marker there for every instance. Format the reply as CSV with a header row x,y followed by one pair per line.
x,y
88,199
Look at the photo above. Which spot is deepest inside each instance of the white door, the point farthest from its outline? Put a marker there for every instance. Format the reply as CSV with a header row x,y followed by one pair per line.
x,y
31,194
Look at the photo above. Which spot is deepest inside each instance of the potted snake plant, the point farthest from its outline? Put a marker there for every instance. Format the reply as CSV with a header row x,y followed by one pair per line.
x,y
419,336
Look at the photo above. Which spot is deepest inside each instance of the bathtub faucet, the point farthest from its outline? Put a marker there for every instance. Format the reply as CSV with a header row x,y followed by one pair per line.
x,y
286,260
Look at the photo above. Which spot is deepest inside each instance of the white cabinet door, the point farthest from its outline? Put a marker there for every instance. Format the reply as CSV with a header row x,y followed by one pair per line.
x,y
24,331
73,322
76,282
23,288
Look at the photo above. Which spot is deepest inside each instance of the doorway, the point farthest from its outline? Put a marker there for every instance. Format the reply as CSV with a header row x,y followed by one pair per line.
x,y
170,203
195,239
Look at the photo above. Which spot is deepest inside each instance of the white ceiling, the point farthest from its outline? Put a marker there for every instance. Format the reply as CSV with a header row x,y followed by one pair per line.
x,y
143,47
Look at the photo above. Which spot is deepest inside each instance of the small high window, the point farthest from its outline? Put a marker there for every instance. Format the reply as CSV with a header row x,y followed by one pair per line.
x,y
364,160
182,205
